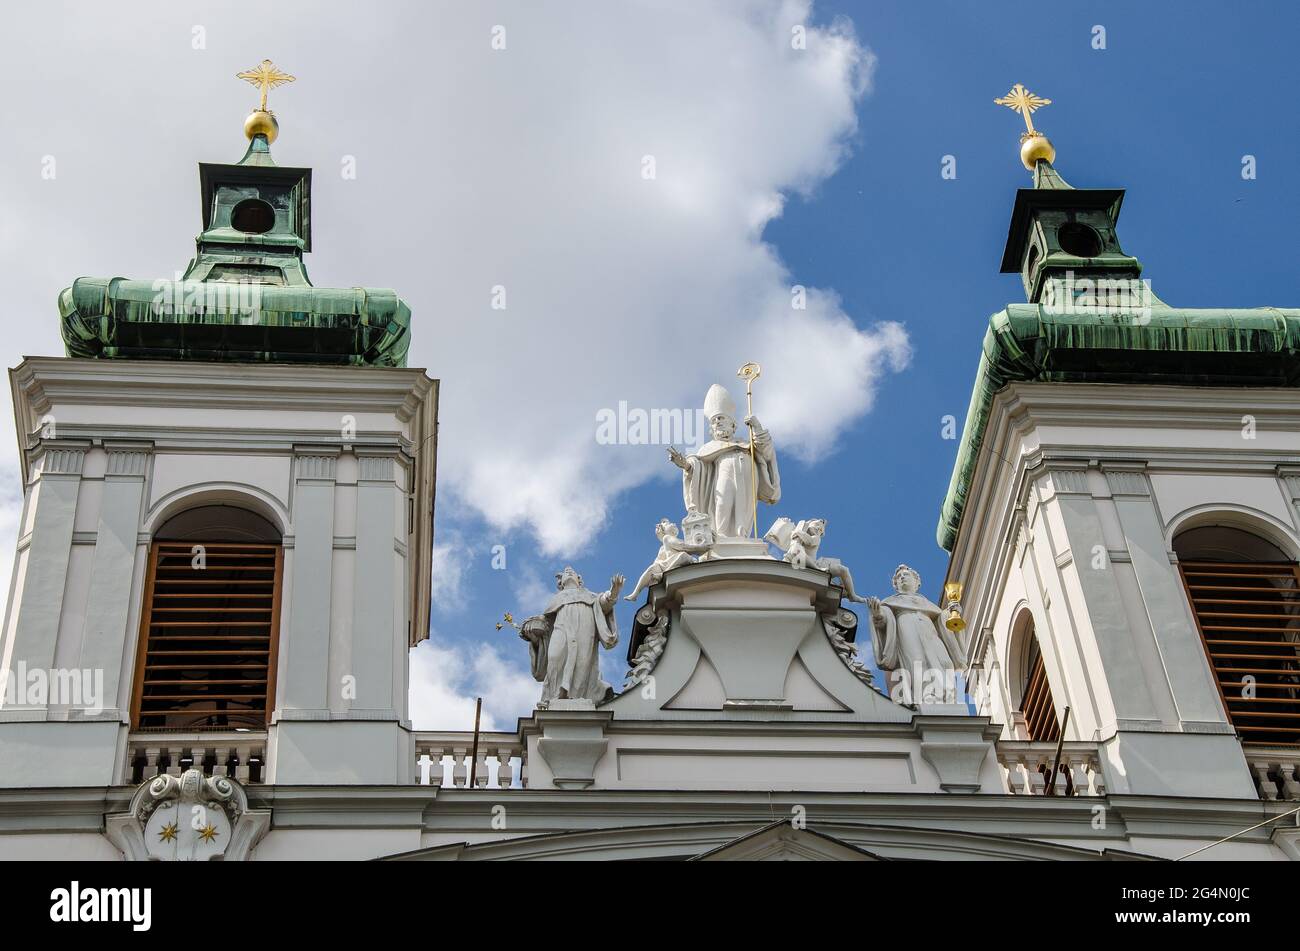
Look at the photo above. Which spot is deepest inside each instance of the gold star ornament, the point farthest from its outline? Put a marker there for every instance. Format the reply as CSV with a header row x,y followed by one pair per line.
x,y
208,833
167,833
1034,147
265,76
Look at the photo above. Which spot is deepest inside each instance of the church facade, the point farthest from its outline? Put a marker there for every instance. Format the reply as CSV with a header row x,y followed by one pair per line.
x,y
225,552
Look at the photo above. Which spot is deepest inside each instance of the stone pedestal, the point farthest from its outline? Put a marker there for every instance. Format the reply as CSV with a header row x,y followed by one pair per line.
x,y
960,749
571,743
739,548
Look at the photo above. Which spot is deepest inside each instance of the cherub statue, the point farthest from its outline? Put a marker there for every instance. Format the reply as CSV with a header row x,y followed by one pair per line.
x,y
672,552
801,543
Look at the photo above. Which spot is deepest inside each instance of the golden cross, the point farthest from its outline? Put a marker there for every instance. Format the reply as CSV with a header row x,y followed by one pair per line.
x,y
266,76
1024,102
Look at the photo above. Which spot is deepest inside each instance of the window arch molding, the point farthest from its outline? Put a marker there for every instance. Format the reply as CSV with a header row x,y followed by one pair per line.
x,y
234,494
1243,518
1020,638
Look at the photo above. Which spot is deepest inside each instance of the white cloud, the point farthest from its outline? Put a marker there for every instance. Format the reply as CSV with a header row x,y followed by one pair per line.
x,y
445,679
529,587
451,562
618,287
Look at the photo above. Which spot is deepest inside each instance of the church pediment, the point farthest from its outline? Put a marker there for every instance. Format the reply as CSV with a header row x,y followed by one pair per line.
x,y
783,842
773,842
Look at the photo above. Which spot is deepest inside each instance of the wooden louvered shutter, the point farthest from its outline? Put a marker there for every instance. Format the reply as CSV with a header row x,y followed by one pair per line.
x,y
1248,614
1037,704
208,636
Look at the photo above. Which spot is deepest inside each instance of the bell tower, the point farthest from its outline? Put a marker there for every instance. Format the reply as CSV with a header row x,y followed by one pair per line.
x,y
1059,232
1121,509
224,553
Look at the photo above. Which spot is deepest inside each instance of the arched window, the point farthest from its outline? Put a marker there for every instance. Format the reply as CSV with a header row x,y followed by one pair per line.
x,y
209,623
1245,595
1036,705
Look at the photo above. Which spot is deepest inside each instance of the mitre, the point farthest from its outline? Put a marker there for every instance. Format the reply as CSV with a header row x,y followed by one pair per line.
x,y
718,402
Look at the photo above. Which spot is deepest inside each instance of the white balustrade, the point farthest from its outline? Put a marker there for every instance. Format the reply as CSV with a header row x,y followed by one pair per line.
x,y
1026,766
1274,770
239,755
500,760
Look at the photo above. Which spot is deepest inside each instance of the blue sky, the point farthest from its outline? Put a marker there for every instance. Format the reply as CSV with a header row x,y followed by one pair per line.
x,y
1167,110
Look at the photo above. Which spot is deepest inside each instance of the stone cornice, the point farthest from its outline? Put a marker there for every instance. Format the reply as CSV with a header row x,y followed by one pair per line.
x,y
449,814
40,383
47,380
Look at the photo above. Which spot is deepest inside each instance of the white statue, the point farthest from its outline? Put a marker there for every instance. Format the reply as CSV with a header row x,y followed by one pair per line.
x,y
801,542
908,633
563,640
672,552
718,478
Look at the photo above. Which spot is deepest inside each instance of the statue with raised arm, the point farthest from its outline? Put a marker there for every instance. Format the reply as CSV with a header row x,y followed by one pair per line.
x,y
564,641
719,478
908,634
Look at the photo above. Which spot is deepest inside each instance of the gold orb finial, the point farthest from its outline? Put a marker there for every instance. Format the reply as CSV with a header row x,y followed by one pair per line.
x,y
261,123
265,76
1034,146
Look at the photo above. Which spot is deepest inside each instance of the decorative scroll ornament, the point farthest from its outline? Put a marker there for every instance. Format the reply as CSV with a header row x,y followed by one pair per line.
x,y
190,818
837,624
651,649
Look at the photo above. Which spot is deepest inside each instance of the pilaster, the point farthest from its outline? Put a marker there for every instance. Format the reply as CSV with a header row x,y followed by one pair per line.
x,y
41,567
304,640
107,636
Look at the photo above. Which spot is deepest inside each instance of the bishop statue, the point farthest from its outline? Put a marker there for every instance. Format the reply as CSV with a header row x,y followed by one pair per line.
x,y
718,479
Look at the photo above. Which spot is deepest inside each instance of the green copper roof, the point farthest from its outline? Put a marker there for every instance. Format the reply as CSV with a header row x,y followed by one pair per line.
x,y
245,295
1025,343
216,320
1091,320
